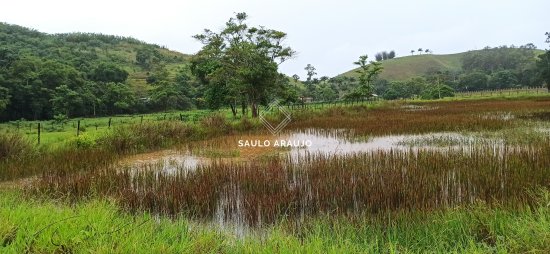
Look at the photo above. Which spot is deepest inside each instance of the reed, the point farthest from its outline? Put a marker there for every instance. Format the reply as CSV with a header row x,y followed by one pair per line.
x,y
398,118
266,191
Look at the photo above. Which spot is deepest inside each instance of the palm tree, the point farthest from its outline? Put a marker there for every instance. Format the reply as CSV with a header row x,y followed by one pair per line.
x,y
420,50
412,52
428,51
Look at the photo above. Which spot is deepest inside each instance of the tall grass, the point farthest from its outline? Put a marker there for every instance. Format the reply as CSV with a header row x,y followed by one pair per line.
x,y
265,191
83,153
14,146
44,226
397,118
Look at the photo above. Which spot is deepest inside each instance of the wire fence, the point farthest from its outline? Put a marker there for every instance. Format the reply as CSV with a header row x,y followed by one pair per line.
x,y
503,92
80,125
77,126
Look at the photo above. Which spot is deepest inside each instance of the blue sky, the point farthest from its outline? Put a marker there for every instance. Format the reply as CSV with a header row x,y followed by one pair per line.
x,y
328,34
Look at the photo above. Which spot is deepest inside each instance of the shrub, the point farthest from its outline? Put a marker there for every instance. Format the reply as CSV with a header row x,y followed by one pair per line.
x,y
83,141
13,145
145,136
215,124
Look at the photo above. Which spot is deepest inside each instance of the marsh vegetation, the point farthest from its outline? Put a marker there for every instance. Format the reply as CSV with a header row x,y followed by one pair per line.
x,y
374,168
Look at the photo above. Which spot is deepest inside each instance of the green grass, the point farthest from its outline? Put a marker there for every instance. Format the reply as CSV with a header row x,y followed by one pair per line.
x,y
406,67
98,226
55,135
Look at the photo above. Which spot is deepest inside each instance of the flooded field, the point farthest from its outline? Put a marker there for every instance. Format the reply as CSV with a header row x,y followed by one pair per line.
x,y
337,172
301,144
445,156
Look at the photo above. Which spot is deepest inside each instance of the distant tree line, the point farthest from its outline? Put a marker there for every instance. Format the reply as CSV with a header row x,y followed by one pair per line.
x,y
490,68
384,55
499,68
421,50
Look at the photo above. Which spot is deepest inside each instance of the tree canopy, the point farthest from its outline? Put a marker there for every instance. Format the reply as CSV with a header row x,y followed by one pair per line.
x,y
239,64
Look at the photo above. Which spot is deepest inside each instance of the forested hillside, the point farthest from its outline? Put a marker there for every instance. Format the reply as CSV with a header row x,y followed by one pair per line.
x,y
80,74
431,76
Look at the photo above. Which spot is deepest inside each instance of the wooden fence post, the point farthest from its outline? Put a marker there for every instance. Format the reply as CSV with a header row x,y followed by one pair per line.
x,y
39,133
109,123
78,128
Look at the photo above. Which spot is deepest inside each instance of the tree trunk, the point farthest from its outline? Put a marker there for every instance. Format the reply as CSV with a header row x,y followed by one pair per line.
x,y
243,107
254,108
233,109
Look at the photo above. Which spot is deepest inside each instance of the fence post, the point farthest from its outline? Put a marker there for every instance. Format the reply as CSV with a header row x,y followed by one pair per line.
x,y
109,123
78,128
141,121
39,133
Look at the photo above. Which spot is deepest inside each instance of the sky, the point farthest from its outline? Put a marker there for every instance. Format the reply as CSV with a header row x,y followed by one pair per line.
x,y
330,35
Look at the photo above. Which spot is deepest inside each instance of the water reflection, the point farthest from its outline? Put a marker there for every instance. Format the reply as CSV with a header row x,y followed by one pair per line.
x,y
229,208
336,142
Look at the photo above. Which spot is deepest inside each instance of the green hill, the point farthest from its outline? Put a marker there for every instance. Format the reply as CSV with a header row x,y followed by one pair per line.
x,y
82,50
406,67
411,66
86,74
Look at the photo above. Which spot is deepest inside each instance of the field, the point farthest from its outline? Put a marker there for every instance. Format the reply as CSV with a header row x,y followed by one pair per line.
x,y
461,175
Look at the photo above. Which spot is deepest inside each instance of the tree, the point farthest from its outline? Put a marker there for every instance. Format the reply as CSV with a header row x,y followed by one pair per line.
x,y
118,98
473,81
310,72
378,57
241,63
296,78
108,72
490,60
326,93
502,80
367,73
385,55
543,64
391,55
66,101
437,92
420,51
412,52
4,98
170,96
428,51
146,56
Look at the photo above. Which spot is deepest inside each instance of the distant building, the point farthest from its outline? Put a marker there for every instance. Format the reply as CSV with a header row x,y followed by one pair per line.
x,y
306,99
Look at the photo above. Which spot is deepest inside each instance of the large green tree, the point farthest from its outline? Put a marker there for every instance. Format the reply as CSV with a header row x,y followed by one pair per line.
x,y
240,63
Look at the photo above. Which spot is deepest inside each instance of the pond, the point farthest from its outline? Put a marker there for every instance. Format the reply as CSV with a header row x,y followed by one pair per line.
x,y
295,144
